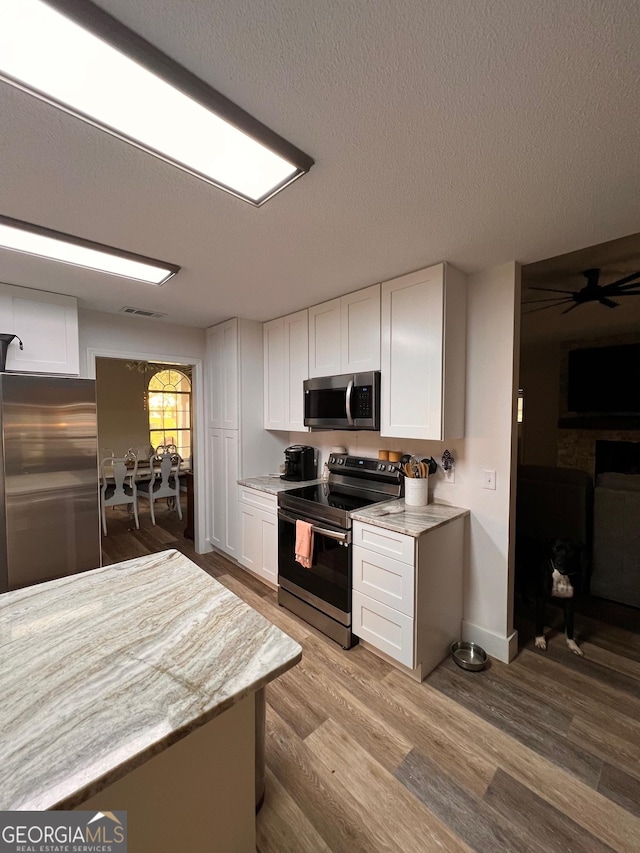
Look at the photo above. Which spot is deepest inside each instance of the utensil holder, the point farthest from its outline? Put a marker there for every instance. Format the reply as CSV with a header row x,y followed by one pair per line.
x,y
416,491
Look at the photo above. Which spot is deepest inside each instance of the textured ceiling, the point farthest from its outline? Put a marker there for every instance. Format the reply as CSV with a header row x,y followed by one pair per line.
x,y
475,131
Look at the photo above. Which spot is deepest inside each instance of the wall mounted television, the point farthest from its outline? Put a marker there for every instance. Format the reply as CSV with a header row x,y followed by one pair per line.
x,y
604,380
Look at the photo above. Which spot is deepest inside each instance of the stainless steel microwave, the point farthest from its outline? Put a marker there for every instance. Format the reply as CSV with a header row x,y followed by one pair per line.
x,y
346,402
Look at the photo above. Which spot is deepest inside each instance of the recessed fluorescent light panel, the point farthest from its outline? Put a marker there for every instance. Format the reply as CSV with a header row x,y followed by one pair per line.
x,y
78,58
42,242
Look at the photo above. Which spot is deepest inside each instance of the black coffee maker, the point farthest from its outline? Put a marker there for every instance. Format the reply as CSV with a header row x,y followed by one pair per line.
x,y
299,463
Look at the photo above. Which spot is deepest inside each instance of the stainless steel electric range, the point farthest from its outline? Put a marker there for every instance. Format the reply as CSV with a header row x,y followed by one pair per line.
x,y
321,594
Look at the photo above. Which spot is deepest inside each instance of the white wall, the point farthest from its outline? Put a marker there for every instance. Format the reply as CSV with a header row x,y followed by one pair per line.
x,y
493,314
121,333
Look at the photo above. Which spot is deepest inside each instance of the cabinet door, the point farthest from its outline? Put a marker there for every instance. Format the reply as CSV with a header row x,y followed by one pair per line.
x,y
249,553
360,338
258,549
47,324
230,509
215,488
223,490
275,368
222,363
324,339
412,355
296,359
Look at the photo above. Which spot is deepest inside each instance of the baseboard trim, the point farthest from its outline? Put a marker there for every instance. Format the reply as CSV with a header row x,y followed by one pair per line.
x,y
502,648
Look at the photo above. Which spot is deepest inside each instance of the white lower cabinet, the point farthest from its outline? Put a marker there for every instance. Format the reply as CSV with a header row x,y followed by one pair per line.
x,y
258,518
407,592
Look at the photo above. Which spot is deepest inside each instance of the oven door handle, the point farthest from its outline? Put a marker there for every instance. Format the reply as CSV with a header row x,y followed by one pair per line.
x,y
348,402
321,531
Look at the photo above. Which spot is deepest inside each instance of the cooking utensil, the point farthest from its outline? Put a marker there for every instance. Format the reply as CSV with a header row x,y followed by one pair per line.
x,y
414,464
469,656
408,470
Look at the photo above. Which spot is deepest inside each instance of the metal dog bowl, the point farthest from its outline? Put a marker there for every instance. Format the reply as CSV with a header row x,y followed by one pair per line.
x,y
469,655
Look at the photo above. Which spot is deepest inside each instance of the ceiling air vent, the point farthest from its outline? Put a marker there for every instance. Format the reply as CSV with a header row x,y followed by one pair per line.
x,y
141,312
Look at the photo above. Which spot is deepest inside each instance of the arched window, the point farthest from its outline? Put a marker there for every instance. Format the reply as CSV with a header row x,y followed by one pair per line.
x,y
169,404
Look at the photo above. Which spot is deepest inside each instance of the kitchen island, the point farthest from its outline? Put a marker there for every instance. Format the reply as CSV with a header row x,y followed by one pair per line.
x,y
134,687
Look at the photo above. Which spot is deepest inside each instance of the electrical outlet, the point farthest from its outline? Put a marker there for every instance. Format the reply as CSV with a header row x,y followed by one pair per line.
x,y
450,475
488,479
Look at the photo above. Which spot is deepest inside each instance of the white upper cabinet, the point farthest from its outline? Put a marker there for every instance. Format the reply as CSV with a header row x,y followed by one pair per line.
x,y
286,366
47,324
324,339
344,334
222,360
423,354
360,340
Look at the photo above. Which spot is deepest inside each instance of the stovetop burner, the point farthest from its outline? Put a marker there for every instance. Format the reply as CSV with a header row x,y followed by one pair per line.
x,y
354,482
331,496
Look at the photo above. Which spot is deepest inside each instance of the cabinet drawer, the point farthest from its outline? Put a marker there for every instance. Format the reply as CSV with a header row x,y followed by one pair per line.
x,y
385,628
384,579
386,542
258,499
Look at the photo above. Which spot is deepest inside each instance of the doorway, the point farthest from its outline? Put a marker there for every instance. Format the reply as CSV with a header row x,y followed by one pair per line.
x,y
125,421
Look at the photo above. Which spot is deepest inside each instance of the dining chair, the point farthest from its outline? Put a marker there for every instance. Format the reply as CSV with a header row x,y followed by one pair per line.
x,y
118,487
164,482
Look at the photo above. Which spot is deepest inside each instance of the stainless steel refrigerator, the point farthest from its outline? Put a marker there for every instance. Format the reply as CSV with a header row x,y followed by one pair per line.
x,y
49,504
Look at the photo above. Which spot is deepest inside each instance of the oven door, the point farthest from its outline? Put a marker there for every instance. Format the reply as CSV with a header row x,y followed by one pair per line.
x,y
326,585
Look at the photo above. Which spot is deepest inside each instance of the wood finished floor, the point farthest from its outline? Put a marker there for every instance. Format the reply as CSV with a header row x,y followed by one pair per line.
x,y
540,755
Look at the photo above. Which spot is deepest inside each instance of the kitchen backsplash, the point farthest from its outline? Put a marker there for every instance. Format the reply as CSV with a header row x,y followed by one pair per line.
x,y
365,443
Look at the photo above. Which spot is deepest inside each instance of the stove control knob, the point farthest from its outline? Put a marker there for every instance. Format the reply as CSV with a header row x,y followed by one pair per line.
x,y
382,467
332,459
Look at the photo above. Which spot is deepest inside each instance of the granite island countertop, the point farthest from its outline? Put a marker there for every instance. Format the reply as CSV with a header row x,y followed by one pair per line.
x,y
102,670
412,520
272,484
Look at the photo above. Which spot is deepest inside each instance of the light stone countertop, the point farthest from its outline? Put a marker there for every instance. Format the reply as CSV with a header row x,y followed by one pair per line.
x,y
272,484
100,671
412,520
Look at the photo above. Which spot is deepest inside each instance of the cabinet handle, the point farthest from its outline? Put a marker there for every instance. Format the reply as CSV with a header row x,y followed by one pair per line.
x,y
348,401
321,531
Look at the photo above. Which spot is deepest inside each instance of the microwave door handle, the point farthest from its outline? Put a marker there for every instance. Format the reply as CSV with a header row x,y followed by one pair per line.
x,y
348,401
321,531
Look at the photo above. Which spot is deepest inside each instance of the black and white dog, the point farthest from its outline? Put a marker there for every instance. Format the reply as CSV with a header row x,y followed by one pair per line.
x,y
559,575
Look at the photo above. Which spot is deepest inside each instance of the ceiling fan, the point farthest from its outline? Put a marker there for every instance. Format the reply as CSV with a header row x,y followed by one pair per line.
x,y
591,292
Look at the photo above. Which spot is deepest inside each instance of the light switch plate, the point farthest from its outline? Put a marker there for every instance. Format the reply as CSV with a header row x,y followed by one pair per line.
x,y
488,479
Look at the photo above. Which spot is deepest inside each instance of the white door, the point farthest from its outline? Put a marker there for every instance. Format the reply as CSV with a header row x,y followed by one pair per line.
x,y
275,370
296,359
360,338
222,361
412,355
223,490
324,339
47,324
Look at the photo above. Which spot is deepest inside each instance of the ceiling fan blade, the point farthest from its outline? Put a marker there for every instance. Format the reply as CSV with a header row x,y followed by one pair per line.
x,y
546,299
571,308
623,288
608,302
543,307
625,292
551,290
622,281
